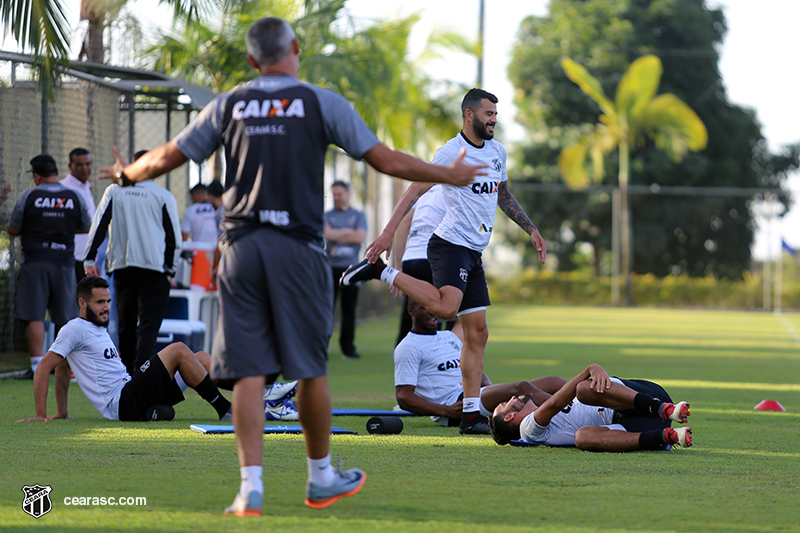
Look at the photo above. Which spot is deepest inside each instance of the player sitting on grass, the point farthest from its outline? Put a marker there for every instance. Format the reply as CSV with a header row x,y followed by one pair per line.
x,y
597,413
84,345
427,373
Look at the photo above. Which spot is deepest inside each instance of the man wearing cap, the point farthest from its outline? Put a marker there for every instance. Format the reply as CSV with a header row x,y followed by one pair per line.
x,y
47,217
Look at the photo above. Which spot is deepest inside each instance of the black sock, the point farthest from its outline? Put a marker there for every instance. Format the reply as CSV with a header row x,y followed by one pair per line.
x,y
210,393
646,405
651,440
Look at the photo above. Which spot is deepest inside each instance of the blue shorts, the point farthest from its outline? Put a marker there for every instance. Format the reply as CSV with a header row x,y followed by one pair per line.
x,y
459,267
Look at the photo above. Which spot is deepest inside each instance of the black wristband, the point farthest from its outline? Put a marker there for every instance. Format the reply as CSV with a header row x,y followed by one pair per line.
x,y
122,179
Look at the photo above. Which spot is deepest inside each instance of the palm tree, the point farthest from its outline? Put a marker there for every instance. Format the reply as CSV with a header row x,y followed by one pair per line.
x,y
41,28
636,115
368,65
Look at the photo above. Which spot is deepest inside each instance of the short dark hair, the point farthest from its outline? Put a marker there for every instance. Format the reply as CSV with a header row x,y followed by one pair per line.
x,y
88,284
339,183
472,100
215,189
269,40
44,166
199,189
77,152
502,431
139,154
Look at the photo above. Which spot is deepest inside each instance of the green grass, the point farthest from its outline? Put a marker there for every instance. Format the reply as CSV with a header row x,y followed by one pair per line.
x,y
742,474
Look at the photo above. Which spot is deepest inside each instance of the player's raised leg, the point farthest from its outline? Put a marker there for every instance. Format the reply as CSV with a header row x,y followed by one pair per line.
x,y
177,357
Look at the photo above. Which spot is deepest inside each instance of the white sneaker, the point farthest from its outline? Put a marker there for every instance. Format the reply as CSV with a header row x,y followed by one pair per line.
x,y
284,410
278,391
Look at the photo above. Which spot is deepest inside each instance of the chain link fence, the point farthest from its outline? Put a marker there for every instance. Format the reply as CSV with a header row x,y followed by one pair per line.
x,y
84,113
98,107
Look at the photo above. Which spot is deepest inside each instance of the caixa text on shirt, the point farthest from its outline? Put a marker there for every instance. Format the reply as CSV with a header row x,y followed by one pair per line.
x,y
54,203
268,108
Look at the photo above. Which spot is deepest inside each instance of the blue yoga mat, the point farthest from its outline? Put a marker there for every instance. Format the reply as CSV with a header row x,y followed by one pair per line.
x,y
370,412
211,429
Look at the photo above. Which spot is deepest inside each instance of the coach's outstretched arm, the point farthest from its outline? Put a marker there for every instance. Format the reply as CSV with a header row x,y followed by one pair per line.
x,y
168,157
41,384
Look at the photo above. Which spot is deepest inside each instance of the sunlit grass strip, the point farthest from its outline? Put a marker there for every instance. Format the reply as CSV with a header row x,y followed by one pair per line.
x,y
728,354
536,338
739,412
688,384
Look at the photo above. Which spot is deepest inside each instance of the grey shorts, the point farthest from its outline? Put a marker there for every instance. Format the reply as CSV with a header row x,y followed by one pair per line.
x,y
46,287
276,311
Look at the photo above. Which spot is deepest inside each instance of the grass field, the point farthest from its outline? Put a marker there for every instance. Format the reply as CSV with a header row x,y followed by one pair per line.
x,y
741,475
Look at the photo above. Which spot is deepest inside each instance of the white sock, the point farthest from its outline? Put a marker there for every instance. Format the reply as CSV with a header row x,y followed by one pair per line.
x,y
251,480
471,405
35,362
320,471
389,274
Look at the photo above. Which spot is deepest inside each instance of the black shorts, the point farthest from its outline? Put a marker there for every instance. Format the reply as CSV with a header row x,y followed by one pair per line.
x,y
636,423
152,385
419,269
461,268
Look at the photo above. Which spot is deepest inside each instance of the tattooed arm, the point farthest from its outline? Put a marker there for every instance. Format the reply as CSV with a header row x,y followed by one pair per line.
x,y
512,209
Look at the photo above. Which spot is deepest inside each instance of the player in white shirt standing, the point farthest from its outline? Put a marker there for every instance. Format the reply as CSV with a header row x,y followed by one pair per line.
x,y
199,222
101,375
454,251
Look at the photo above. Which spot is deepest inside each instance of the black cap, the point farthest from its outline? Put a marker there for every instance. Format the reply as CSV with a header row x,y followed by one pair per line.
x,y
44,165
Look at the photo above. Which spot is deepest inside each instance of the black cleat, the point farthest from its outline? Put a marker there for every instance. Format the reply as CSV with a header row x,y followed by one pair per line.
x,y
362,271
479,425
28,374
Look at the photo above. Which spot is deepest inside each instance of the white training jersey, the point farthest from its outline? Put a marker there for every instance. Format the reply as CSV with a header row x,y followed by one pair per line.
x,y
562,428
200,222
428,213
95,362
470,213
432,364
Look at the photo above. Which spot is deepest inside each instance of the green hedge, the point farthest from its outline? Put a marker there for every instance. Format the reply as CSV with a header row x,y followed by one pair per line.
x,y
572,288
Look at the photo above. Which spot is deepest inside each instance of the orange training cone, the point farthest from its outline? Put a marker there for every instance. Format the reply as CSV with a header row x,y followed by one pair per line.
x,y
769,405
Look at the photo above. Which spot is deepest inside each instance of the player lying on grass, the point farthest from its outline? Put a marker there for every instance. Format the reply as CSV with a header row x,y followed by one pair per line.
x,y
427,373
595,412
84,347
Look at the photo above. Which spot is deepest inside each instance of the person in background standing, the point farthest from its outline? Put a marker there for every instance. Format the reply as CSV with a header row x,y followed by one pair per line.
x,y
143,253
47,217
80,169
345,231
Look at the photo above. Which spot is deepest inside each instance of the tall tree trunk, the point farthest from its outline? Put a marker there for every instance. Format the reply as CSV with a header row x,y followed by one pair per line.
x,y
625,226
95,12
